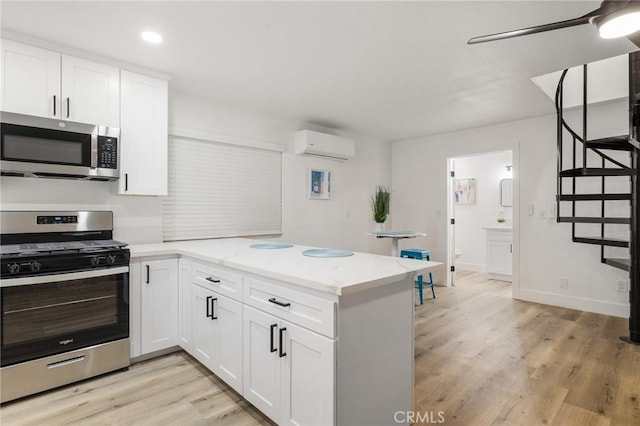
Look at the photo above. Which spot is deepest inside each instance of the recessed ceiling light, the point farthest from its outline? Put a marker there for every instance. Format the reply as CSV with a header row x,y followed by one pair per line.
x,y
151,37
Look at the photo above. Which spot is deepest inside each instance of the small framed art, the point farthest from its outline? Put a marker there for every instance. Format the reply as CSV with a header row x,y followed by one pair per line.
x,y
319,185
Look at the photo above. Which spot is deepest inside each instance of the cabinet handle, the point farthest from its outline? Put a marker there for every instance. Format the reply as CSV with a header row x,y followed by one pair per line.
x,y
212,280
67,107
213,310
54,105
281,353
271,339
126,182
209,315
147,274
510,248
279,303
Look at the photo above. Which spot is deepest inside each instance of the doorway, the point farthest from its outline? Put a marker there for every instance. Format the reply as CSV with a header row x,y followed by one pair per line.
x,y
482,206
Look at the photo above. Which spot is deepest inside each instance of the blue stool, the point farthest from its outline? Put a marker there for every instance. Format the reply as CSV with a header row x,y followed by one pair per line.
x,y
420,254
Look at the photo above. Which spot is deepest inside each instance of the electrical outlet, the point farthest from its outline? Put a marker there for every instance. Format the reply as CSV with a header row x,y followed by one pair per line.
x,y
542,213
622,286
564,283
531,210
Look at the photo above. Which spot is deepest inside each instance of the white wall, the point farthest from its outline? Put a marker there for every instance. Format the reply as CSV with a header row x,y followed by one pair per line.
x,y
342,222
545,252
488,170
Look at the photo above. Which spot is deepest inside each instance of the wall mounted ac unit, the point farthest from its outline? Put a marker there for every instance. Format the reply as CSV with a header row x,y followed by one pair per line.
x,y
319,144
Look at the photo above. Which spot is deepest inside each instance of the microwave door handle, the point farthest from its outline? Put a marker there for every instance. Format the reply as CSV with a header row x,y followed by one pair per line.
x,y
94,151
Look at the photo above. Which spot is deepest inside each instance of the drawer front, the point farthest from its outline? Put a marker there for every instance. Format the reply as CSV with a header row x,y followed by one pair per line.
x,y
499,236
306,310
217,278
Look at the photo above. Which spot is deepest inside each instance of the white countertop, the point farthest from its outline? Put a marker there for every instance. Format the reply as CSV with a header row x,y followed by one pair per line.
x,y
498,228
340,275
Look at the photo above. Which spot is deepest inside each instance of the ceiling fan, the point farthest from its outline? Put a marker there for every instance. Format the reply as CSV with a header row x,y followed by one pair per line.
x,y
613,19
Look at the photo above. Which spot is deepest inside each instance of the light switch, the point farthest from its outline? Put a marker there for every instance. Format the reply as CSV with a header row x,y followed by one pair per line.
x,y
531,209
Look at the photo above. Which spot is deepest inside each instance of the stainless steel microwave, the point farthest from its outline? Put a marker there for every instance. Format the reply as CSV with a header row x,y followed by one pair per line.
x,y
43,147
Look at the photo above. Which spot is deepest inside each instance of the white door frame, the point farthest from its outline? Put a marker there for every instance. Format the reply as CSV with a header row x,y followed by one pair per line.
x,y
515,157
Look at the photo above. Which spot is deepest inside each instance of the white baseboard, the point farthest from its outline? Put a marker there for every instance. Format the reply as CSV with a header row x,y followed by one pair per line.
x,y
589,305
473,267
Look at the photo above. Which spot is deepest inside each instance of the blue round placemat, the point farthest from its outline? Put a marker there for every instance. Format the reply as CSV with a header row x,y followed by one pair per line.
x,y
327,253
270,245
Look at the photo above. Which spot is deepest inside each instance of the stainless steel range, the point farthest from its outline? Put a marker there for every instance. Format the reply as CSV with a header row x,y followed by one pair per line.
x,y
64,297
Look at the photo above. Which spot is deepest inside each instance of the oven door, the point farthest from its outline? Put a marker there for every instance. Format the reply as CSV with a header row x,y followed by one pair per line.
x,y
52,314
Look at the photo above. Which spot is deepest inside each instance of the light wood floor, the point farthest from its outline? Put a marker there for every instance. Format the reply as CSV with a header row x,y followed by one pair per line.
x,y
481,359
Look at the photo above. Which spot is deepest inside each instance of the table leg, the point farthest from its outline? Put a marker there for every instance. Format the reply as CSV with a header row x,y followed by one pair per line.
x,y
394,247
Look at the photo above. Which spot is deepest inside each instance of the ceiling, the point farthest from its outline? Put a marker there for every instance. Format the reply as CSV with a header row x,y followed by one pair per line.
x,y
393,70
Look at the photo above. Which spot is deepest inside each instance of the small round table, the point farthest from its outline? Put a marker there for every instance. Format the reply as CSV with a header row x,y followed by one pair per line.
x,y
395,236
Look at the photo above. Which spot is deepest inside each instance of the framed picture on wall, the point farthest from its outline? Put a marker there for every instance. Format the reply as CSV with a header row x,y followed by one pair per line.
x,y
319,184
465,191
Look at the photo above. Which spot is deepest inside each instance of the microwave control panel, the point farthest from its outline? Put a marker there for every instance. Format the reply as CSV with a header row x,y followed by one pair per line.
x,y
107,152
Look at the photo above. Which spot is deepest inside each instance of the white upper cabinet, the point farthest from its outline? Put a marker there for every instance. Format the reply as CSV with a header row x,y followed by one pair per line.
x,y
30,80
143,135
44,83
90,92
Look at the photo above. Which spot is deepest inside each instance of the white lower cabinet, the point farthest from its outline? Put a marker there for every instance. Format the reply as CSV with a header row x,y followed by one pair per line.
x,y
217,334
499,253
184,305
159,304
289,372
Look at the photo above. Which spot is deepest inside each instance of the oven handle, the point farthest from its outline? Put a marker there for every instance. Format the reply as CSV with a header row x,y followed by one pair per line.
x,y
40,279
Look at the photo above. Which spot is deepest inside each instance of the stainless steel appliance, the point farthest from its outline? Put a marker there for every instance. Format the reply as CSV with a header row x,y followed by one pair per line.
x,y
43,147
64,297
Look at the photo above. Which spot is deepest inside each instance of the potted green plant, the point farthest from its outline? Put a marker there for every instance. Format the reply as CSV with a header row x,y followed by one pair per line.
x,y
380,206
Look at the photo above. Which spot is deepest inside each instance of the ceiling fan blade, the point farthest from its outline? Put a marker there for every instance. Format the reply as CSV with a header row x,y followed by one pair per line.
x,y
537,29
635,38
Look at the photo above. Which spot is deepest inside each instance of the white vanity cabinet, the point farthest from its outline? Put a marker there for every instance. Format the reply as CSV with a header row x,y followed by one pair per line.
x,y
499,253
48,84
143,135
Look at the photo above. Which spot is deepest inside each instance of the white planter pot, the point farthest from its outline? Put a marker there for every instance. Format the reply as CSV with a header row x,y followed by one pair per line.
x,y
379,227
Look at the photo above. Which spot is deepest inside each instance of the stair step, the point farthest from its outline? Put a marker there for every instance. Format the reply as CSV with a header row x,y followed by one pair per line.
x,y
594,171
602,242
592,197
618,143
624,264
622,220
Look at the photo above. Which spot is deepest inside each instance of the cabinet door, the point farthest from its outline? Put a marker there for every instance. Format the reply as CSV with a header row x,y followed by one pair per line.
x,y
499,257
308,377
30,80
261,372
228,341
184,305
90,92
159,294
203,326
144,135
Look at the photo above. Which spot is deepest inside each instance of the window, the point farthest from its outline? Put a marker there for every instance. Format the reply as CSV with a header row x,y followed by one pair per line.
x,y
221,190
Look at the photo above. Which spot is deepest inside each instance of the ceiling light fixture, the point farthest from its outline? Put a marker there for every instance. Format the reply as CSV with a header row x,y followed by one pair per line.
x,y
620,23
151,37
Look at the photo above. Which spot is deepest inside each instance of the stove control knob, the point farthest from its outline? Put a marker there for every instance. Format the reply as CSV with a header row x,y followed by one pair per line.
x,y
14,268
111,259
94,261
35,266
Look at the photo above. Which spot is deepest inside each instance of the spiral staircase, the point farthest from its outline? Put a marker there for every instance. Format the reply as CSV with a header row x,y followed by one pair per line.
x,y
611,165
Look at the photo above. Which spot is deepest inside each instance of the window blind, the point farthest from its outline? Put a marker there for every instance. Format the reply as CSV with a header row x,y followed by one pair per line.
x,y
221,190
